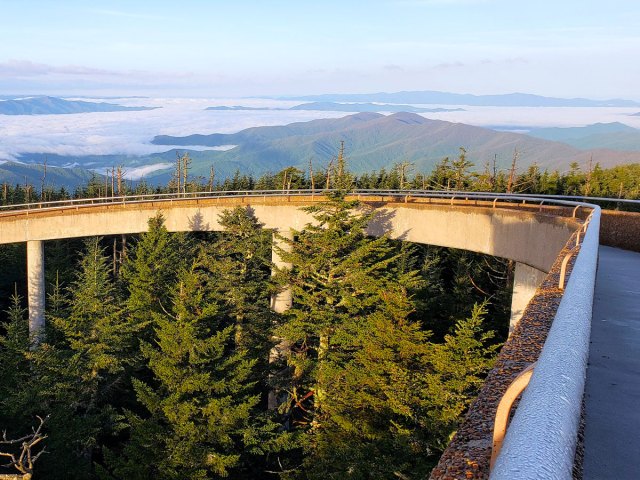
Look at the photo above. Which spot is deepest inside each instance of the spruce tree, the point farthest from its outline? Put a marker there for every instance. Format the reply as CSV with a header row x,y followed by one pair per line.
x,y
375,409
80,377
459,366
14,348
345,286
198,422
238,272
150,272
337,276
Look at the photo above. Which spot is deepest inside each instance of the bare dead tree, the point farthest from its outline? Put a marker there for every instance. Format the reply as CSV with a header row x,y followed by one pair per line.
x,y
313,183
329,170
512,171
176,178
119,177
212,176
43,194
186,164
404,168
27,189
24,461
587,185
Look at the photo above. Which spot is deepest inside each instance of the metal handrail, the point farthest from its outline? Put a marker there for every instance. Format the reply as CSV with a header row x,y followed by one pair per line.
x,y
501,421
129,199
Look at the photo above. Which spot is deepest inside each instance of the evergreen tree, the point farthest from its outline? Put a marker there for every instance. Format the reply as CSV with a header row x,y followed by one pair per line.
x,y
365,379
459,366
238,273
343,288
14,348
150,273
199,405
375,409
80,377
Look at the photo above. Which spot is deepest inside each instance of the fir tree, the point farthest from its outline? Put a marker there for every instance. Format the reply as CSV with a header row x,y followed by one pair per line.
x,y
239,276
199,405
459,366
150,273
376,407
14,348
344,284
80,377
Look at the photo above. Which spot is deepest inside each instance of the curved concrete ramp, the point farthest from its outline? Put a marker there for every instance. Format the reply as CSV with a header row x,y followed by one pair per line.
x,y
528,237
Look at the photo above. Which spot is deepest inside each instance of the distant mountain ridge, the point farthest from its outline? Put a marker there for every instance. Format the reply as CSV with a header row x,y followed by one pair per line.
x,y
431,97
376,141
343,107
369,107
58,106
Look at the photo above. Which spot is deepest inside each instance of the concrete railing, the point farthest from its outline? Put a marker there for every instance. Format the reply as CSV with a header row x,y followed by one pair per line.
x,y
541,440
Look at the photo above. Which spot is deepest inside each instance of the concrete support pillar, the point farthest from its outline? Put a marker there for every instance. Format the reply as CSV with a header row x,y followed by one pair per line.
x,y
525,282
35,287
281,301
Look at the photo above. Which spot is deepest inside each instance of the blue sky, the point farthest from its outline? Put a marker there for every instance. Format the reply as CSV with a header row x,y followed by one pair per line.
x,y
225,48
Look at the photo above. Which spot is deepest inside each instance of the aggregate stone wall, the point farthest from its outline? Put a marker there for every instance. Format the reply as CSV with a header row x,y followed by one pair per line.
x,y
620,229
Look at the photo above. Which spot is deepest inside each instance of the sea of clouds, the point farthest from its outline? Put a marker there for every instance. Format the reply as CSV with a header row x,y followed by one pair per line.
x,y
129,133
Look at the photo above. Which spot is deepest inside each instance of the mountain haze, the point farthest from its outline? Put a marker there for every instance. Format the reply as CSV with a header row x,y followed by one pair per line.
x,y
372,141
445,98
614,136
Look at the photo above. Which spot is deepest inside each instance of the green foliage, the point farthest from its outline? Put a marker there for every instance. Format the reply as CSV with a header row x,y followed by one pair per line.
x,y
149,273
199,403
459,366
238,275
78,378
365,378
14,346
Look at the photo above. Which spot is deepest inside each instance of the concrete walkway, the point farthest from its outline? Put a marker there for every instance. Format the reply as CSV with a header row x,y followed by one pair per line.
x,y
612,396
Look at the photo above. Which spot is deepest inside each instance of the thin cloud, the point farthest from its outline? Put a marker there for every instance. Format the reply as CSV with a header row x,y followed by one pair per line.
x,y
449,65
26,68
439,3
122,14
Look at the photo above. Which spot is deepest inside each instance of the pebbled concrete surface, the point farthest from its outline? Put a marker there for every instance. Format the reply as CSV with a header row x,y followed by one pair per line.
x,y
612,392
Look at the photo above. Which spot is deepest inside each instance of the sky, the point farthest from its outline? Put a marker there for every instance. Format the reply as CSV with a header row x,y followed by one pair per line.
x,y
225,48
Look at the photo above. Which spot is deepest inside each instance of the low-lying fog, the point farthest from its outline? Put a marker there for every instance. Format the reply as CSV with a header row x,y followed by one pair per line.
x,y
130,133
